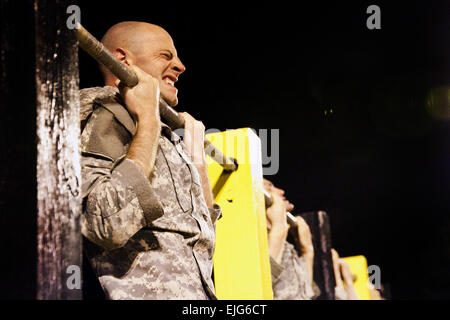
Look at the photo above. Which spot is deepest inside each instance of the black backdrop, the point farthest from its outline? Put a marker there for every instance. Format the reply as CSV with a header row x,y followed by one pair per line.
x,y
378,163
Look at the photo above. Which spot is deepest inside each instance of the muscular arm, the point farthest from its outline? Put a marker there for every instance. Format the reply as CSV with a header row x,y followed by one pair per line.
x,y
118,201
144,145
277,238
279,227
336,268
142,102
194,138
117,196
348,280
305,239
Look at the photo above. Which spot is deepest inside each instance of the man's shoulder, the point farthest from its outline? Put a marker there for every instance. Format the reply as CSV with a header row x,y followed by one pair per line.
x,y
107,98
106,123
95,95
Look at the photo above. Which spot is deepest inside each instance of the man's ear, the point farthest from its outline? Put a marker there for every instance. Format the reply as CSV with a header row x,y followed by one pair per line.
x,y
124,56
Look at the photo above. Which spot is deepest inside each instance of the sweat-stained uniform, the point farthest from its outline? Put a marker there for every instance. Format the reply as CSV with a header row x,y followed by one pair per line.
x,y
290,279
147,238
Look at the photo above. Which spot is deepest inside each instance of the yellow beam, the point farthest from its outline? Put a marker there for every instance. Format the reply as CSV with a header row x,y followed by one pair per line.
x,y
358,266
241,259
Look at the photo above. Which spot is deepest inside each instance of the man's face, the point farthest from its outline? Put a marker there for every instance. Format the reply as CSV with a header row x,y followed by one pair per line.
x,y
272,189
158,57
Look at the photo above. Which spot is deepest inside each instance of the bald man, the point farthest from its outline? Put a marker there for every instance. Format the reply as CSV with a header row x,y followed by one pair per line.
x,y
148,210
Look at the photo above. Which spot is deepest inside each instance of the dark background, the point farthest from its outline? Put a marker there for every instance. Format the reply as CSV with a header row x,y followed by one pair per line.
x,y
378,163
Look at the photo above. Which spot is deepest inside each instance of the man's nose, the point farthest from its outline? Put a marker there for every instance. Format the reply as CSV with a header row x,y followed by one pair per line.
x,y
178,66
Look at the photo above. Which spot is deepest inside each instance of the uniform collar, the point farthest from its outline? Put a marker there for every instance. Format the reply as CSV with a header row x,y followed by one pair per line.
x,y
169,133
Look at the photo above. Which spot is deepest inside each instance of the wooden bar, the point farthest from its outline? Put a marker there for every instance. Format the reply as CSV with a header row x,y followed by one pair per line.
x,y
58,163
319,225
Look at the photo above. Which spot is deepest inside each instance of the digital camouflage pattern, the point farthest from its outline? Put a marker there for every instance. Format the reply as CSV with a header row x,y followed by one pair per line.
x,y
290,279
146,238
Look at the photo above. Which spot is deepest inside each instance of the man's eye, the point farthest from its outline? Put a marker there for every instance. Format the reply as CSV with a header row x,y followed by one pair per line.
x,y
168,56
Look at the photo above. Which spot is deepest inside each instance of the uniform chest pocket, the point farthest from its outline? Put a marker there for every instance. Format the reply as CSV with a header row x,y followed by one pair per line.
x,y
180,176
194,173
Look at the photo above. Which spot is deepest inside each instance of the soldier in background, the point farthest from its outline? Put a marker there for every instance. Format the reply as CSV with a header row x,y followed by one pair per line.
x,y
148,210
292,271
344,290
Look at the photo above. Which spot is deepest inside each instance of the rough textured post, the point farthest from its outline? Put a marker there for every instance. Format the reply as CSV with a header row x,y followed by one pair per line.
x,y
58,164
323,265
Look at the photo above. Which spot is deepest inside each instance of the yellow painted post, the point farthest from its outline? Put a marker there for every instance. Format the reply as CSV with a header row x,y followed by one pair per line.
x,y
241,259
358,266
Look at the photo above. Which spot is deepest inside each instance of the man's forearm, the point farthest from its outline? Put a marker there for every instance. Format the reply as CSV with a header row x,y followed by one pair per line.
x,y
277,238
308,255
309,259
144,145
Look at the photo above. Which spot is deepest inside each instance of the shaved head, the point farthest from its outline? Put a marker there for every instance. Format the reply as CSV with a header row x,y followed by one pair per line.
x,y
149,47
131,35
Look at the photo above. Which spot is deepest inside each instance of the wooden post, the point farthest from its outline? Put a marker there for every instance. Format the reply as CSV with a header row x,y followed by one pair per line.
x,y
323,264
58,160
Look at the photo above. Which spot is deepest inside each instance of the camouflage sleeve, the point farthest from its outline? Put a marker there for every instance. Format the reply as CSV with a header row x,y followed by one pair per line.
x,y
307,291
117,201
275,270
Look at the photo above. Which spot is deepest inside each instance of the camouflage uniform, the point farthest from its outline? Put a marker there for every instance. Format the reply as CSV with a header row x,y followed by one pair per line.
x,y
146,238
290,279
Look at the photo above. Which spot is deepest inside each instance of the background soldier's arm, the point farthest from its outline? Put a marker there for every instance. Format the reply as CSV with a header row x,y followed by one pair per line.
x,y
278,227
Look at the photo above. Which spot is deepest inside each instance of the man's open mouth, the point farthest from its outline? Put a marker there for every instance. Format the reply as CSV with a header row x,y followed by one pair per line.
x,y
170,80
